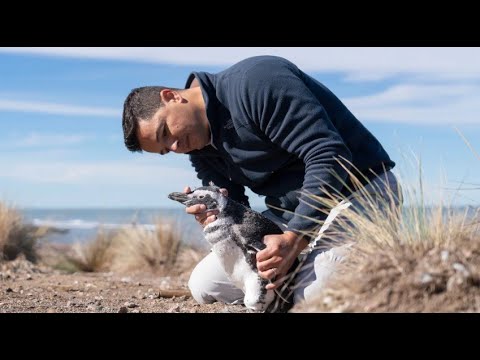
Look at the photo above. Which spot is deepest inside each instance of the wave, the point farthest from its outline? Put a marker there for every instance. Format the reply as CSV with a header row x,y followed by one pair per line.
x,y
78,224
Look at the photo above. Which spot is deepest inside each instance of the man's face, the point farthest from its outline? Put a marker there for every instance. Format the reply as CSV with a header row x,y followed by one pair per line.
x,y
176,126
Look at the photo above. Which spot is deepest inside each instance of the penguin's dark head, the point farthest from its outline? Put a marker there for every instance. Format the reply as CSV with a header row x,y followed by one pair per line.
x,y
210,196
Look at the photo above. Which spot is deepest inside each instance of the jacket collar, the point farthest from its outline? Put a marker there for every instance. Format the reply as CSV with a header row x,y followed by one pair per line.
x,y
212,105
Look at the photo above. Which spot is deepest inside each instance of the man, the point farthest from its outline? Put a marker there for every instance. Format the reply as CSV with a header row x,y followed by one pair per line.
x,y
265,124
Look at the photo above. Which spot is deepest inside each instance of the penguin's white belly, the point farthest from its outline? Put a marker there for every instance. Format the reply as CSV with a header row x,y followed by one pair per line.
x,y
236,267
234,263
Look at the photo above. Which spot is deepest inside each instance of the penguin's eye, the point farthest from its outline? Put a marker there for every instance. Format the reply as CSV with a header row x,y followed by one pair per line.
x,y
201,196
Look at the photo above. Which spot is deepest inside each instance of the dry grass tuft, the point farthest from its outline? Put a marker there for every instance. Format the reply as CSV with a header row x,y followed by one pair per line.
x,y
420,259
17,238
94,256
430,268
138,249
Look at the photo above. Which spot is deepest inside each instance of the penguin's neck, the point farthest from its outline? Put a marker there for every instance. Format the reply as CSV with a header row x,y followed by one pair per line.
x,y
232,210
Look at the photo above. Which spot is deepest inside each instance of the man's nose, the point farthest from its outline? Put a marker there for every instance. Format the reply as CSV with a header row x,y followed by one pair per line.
x,y
173,146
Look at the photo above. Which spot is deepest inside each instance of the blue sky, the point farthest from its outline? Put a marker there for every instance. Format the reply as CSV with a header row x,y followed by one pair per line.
x,y
61,139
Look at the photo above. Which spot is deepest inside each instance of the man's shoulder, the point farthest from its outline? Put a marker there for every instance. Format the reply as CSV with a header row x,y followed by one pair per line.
x,y
256,63
252,74
261,59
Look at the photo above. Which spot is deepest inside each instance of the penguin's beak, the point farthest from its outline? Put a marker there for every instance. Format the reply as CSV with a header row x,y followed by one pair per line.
x,y
178,196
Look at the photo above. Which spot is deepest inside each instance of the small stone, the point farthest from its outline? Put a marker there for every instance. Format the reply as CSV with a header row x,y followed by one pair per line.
x,y
29,277
136,311
8,290
130,305
126,279
461,269
426,278
327,300
123,310
98,298
91,308
174,309
444,255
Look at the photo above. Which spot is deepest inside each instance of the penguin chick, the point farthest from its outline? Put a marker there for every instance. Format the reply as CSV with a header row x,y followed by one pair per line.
x,y
236,236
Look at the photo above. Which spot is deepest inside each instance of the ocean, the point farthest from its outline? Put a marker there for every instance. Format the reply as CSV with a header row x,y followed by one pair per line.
x,y
81,225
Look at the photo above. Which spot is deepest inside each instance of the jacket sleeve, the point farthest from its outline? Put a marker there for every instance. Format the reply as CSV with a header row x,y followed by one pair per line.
x,y
206,172
283,108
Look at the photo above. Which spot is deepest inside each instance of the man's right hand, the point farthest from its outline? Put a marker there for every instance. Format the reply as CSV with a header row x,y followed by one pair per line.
x,y
204,218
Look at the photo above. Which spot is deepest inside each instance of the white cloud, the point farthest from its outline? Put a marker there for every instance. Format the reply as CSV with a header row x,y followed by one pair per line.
x,y
141,173
420,104
37,139
57,109
440,82
358,63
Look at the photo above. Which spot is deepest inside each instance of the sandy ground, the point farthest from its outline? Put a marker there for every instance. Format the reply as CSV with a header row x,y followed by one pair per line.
x,y
25,287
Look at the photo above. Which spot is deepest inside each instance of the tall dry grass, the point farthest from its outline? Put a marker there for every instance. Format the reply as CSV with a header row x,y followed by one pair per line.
x,y
415,258
93,256
16,237
137,249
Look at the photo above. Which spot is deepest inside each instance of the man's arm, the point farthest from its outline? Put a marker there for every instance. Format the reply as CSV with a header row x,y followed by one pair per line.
x,y
282,107
288,113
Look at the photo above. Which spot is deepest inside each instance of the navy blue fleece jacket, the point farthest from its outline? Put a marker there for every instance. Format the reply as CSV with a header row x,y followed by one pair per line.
x,y
278,131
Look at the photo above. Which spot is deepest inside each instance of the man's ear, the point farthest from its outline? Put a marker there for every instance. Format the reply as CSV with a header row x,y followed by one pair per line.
x,y
167,95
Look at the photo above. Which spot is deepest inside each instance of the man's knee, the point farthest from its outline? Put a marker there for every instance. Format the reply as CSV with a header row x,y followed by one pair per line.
x,y
318,271
209,283
199,286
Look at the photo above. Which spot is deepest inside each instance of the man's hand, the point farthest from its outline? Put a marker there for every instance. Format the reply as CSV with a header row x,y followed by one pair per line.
x,y
201,215
275,260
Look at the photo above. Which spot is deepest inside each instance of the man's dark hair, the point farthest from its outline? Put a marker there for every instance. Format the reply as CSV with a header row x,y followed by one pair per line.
x,y
142,103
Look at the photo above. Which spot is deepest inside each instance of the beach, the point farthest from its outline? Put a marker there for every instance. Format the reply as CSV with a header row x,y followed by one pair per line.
x,y
29,288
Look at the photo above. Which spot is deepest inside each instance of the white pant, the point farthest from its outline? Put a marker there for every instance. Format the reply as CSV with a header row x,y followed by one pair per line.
x,y
209,283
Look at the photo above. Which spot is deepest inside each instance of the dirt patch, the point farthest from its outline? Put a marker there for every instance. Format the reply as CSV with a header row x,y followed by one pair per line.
x,y
25,287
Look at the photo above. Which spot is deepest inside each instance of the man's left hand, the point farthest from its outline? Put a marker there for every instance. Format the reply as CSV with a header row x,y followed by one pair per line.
x,y
275,260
